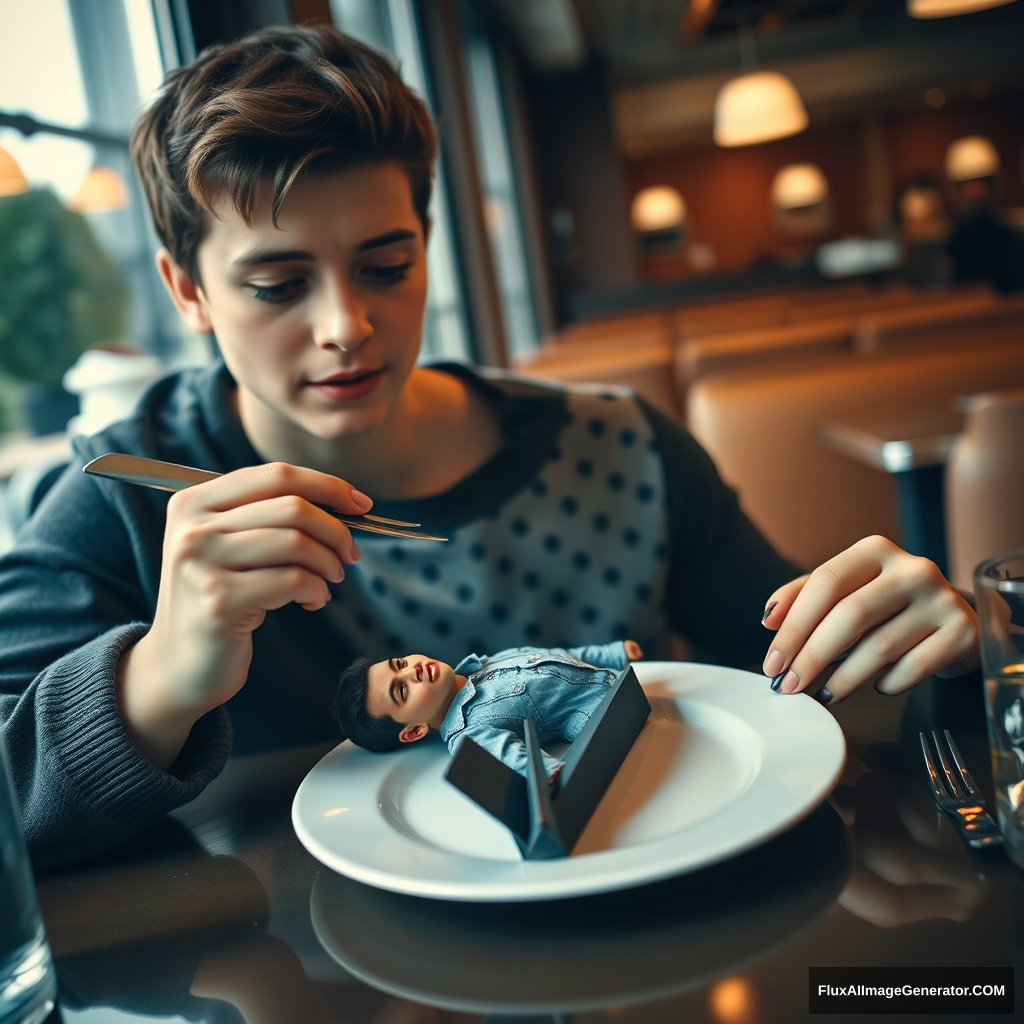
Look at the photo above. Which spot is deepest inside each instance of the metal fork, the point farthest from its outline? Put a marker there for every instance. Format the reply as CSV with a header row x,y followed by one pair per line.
x,y
958,795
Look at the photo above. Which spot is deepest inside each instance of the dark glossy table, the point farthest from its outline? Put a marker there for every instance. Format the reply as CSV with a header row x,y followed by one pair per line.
x,y
220,915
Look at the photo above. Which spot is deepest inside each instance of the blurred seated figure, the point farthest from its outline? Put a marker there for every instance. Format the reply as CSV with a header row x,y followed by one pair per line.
x,y
983,246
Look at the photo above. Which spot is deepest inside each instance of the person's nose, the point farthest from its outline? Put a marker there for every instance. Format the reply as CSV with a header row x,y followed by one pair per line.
x,y
414,672
342,317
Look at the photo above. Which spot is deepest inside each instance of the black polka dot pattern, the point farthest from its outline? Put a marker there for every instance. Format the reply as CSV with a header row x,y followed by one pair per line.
x,y
578,556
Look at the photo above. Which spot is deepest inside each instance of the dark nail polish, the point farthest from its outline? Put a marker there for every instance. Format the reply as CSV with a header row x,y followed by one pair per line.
x,y
768,611
777,681
824,695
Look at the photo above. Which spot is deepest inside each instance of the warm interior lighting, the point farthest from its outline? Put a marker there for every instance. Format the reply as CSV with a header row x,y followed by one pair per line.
x,y
973,156
659,208
949,8
101,191
732,1001
756,108
12,181
798,185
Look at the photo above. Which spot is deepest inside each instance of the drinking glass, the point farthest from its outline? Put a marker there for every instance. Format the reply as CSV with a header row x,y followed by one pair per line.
x,y
28,983
999,592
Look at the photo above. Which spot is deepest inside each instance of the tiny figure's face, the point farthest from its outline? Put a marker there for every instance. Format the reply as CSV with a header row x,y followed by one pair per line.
x,y
319,316
414,690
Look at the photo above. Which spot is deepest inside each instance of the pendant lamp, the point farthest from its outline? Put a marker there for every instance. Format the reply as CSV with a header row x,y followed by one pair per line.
x,y
758,107
658,208
797,186
949,8
101,191
973,156
12,180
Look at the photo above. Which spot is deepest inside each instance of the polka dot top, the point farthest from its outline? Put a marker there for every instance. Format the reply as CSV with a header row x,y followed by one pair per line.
x,y
578,554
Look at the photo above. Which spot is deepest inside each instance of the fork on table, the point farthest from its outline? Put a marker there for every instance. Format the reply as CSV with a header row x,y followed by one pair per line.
x,y
957,793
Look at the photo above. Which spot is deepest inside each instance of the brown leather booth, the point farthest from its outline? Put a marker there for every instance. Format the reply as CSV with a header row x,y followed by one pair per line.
x,y
762,430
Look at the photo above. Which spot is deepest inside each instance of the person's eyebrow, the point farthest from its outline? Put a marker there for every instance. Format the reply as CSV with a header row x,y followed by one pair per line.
x,y
401,235
258,256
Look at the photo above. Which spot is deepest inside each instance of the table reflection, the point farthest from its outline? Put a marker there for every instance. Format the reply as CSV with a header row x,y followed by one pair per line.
x,y
219,915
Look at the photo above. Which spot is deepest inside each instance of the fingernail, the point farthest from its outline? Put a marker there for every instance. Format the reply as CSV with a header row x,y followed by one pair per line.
x,y
768,611
355,553
777,681
824,695
774,663
789,682
361,500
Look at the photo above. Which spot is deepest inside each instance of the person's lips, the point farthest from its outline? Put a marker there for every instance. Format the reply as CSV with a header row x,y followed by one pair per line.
x,y
432,671
346,387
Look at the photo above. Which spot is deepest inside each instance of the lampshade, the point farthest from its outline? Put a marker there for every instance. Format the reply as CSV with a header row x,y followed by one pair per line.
x,y
949,8
658,208
973,156
798,185
101,191
12,181
756,108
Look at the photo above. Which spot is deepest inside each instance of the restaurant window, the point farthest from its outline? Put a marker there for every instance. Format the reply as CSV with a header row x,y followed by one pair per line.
x,y
74,74
390,26
502,215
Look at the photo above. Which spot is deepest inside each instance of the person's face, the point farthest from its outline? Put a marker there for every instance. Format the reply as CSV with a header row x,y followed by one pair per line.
x,y
414,690
319,318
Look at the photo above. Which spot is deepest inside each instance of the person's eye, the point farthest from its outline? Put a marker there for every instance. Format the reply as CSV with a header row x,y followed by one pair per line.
x,y
403,692
279,292
387,274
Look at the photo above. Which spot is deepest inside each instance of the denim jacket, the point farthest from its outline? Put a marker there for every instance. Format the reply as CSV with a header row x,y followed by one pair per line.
x,y
557,689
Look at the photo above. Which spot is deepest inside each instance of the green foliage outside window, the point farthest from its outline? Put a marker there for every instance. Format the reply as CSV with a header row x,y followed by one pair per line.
x,y
59,291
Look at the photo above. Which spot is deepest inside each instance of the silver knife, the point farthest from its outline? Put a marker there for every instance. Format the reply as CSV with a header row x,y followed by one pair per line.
x,y
169,476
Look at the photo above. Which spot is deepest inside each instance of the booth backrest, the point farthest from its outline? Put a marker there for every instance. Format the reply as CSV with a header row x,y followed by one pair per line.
x,y
985,484
696,357
762,431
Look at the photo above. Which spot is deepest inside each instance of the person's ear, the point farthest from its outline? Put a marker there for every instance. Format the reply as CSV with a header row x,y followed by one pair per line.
x,y
188,299
412,733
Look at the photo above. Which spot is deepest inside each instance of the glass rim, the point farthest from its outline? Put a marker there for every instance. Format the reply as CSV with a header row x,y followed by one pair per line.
x,y
985,573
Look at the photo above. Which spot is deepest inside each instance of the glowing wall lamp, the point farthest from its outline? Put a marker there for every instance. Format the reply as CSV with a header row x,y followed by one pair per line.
x,y
800,202
101,191
949,8
659,208
973,156
12,181
756,108
798,185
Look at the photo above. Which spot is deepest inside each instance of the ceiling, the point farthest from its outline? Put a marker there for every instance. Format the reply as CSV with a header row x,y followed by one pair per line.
x,y
846,57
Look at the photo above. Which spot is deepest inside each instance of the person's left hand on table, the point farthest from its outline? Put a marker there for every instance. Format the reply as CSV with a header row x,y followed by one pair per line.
x,y
895,613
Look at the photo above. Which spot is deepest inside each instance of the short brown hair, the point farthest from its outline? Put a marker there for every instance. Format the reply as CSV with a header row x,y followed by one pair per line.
x,y
265,108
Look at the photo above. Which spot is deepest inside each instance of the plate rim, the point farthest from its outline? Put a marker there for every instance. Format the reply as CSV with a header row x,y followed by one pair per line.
x,y
596,877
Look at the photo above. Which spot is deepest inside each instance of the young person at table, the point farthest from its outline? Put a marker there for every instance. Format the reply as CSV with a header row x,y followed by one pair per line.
x,y
141,636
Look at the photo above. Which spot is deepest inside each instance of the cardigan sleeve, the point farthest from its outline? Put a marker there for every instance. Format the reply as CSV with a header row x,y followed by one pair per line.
x,y
71,602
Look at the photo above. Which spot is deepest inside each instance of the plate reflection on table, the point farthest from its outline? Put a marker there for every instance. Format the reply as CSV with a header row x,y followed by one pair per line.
x,y
568,956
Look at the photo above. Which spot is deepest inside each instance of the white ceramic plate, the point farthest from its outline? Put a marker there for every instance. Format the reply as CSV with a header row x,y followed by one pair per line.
x,y
722,765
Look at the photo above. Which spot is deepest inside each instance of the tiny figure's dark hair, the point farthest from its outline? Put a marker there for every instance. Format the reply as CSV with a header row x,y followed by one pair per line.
x,y
350,712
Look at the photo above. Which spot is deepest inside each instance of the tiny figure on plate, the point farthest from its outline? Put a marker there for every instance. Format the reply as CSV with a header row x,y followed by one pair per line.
x,y
381,705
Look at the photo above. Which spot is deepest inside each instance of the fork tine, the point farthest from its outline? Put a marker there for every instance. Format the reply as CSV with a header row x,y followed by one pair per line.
x,y
938,788
962,768
956,787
